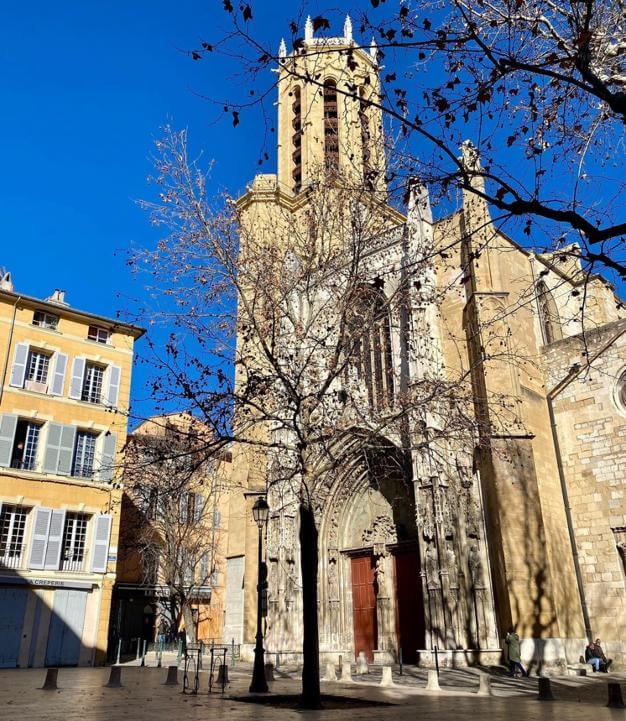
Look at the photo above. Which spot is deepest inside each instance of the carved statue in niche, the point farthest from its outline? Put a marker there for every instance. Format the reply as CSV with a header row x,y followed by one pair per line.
x,y
291,584
476,567
425,515
451,564
381,576
431,567
333,579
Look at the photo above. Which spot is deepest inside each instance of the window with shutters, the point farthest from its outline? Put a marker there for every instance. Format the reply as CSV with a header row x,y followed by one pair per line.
x,y
204,569
98,334
45,320
37,371
92,383
84,454
331,127
26,445
74,541
12,527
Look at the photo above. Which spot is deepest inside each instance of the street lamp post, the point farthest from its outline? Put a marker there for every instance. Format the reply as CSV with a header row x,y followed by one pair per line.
x,y
260,512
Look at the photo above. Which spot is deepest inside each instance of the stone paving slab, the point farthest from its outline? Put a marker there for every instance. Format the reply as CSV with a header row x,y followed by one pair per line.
x,y
81,696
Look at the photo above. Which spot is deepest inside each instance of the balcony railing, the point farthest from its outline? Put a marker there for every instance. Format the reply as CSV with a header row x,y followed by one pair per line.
x,y
83,471
23,465
71,565
11,560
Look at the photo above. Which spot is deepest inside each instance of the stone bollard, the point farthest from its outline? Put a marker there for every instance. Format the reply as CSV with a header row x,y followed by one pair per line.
x,y
50,684
361,663
346,673
222,674
269,671
545,690
387,679
172,676
433,681
329,674
484,684
615,695
115,678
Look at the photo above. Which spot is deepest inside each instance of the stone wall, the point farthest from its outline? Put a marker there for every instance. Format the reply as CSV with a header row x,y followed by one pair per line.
x,y
591,426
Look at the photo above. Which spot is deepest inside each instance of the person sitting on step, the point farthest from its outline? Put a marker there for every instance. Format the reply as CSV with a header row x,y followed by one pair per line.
x,y
594,655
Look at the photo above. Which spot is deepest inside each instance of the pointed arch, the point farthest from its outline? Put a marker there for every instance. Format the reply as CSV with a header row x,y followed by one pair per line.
x,y
548,314
296,139
369,333
331,126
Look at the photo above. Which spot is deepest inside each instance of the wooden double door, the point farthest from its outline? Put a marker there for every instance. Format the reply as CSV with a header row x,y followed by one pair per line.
x,y
409,605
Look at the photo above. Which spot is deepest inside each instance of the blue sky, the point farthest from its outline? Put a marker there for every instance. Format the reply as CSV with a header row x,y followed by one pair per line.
x,y
86,87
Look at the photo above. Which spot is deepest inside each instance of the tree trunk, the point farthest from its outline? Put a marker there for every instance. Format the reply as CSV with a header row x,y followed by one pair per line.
x,y
190,626
311,697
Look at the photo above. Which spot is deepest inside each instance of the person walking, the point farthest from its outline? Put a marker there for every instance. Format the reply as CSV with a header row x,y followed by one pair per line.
x,y
513,653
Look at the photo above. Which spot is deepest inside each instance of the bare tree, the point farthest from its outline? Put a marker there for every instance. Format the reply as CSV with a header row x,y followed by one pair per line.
x,y
295,302
172,524
538,87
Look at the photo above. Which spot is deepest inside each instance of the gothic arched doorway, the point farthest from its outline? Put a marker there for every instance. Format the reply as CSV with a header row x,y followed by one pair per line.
x,y
371,582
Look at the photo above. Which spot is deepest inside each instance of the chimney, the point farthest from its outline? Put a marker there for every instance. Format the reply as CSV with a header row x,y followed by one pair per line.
x,y
57,297
5,280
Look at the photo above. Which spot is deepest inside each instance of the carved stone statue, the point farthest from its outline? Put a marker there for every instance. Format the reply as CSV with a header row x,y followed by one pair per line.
x,y
333,581
451,565
381,577
476,566
431,567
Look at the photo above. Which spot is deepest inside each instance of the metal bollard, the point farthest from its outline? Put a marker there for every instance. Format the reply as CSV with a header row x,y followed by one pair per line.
x,y
119,651
432,684
484,685
50,684
115,678
269,671
222,675
172,676
545,690
143,653
138,650
615,695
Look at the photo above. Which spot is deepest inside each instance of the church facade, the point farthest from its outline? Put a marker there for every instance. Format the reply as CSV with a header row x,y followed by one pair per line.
x,y
525,526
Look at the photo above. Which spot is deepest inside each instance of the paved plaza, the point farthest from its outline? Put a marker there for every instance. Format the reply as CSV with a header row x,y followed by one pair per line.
x,y
143,697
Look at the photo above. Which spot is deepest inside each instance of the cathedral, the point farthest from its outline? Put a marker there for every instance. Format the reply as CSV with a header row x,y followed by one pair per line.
x,y
525,526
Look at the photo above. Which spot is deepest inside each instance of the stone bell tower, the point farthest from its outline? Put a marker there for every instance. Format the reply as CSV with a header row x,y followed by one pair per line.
x,y
328,119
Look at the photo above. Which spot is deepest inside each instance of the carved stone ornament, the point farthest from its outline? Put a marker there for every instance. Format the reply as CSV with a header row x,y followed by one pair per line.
x,y
382,531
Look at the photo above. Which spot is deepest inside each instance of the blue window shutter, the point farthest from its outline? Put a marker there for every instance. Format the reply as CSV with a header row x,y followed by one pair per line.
x,y
55,540
198,507
183,507
100,553
76,381
217,518
112,385
8,424
39,537
59,369
107,456
51,451
18,370
66,450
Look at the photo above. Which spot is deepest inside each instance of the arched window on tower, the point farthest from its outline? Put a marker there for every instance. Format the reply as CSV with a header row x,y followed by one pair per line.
x,y
548,314
331,127
296,140
369,339
366,138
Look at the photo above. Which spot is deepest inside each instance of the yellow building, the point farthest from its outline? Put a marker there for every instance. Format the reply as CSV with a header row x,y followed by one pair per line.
x,y
172,544
64,398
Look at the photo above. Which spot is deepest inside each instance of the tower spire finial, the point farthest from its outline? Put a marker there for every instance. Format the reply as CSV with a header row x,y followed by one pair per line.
x,y
347,28
308,29
374,50
282,49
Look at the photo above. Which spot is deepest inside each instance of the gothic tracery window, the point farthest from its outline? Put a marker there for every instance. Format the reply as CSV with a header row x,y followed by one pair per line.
x,y
548,314
331,127
369,338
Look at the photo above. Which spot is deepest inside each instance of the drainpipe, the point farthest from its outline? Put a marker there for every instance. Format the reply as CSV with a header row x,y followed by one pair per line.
x,y
574,372
6,354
